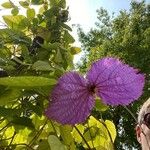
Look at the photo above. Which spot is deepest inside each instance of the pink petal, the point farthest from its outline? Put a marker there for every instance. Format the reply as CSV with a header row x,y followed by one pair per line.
x,y
115,82
71,101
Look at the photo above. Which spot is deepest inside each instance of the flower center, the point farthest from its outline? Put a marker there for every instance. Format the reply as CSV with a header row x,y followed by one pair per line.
x,y
91,89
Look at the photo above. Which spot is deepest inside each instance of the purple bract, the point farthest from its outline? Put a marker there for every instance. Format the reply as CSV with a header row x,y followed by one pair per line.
x,y
74,96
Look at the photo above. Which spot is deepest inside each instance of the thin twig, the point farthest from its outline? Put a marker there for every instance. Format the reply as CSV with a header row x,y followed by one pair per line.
x,y
12,138
130,113
5,126
53,127
82,137
38,134
90,134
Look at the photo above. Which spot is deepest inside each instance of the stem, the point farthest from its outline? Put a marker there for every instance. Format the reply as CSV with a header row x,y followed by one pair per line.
x,y
53,127
130,113
5,126
90,134
12,138
82,137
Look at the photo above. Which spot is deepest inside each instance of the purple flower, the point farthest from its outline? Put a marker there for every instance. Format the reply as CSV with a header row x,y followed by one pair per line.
x,y
74,96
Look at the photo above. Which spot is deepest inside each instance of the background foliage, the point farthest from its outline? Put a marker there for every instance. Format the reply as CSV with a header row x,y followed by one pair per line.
x,y
125,36
35,50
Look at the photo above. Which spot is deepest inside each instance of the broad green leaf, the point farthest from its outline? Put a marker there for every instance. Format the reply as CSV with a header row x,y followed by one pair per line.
x,y
30,13
15,11
112,129
43,145
42,66
24,4
58,57
68,37
100,106
75,50
16,22
55,143
66,135
8,96
26,81
96,134
7,5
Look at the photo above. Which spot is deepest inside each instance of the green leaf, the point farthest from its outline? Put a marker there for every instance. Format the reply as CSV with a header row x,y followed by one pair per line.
x,y
27,81
16,22
66,135
68,37
7,5
100,106
9,95
58,57
55,143
23,121
43,145
24,4
15,11
30,13
66,26
60,3
112,129
37,2
75,50
42,66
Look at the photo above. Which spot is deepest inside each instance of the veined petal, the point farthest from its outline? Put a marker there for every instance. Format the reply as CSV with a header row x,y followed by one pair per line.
x,y
71,101
116,83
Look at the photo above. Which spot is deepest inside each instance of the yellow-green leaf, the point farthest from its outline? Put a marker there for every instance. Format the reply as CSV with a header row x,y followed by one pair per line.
x,y
16,22
55,143
30,13
9,95
27,81
66,135
100,106
75,133
42,66
75,50
112,129
24,4
7,5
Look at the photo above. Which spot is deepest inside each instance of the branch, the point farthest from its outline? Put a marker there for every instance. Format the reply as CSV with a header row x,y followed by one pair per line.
x,y
82,137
